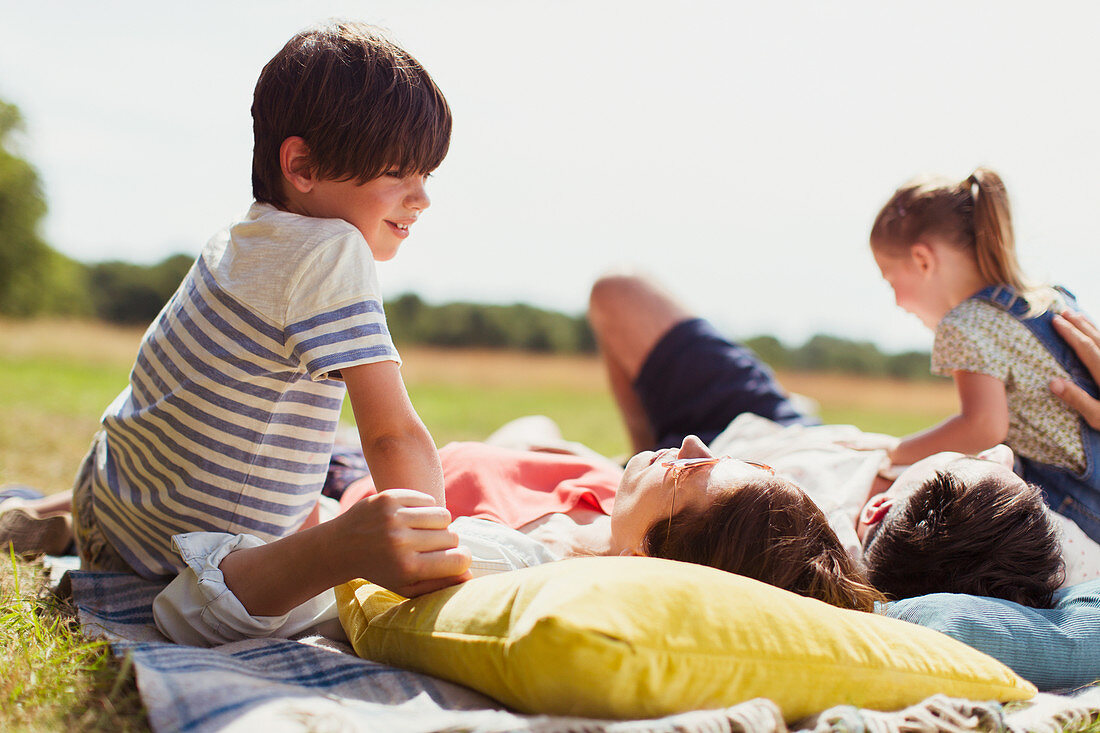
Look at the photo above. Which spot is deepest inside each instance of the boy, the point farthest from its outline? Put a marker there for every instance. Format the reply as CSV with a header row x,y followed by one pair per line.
x,y
229,418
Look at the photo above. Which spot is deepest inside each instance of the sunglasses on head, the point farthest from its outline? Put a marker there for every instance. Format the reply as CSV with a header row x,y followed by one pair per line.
x,y
679,465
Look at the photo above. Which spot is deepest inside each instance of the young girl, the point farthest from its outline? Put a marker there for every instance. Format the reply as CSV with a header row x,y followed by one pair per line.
x,y
948,252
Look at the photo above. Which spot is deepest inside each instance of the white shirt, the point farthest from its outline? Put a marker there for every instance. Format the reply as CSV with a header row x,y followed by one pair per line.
x,y
198,609
838,479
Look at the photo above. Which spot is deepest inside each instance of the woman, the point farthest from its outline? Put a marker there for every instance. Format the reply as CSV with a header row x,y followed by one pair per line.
x,y
518,508
679,503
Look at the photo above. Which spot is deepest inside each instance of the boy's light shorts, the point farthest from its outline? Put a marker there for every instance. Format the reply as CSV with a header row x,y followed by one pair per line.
x,y
695,381
96,553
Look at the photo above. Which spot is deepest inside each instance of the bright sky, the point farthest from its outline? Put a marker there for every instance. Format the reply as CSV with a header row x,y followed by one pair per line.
x,y
738,150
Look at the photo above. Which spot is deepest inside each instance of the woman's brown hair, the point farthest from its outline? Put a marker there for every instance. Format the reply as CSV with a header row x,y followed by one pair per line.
x,y
362,104
769,530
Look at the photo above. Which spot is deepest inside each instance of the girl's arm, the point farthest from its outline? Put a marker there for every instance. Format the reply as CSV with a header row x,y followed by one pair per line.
x,y
982,422
399,450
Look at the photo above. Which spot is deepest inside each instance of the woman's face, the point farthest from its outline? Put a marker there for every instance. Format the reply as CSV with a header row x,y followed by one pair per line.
x,y
647,490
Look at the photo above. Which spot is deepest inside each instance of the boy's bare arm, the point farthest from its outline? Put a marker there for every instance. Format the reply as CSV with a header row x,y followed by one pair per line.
x,y
982,422
398,448
398,539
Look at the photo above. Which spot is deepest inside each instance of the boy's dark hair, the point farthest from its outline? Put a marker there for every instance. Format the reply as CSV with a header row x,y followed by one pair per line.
x,y
986,538
362,104
771,531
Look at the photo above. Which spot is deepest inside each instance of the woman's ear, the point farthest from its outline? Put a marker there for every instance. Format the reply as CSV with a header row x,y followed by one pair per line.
x,y
296,164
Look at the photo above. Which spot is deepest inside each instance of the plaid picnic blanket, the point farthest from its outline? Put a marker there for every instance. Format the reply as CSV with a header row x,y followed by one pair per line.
x,y
316,684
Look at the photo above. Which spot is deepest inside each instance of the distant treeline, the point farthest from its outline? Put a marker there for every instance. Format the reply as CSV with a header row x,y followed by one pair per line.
x,y
822,353
118,292
527,328
517,326
126,293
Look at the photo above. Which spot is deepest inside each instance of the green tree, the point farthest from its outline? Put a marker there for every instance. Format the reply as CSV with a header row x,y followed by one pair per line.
x,y
517,326
33,277
770,350
22,206
910,365
126,293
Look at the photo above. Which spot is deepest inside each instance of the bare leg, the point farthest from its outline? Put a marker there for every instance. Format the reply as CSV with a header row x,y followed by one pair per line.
x,y
629,315
48,506
33,526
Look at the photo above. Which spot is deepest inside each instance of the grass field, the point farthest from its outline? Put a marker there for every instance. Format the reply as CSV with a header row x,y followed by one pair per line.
x,y
55,679
57,377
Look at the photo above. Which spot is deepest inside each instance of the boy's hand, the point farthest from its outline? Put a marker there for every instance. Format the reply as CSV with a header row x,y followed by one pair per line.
x,y
399,539
1084,338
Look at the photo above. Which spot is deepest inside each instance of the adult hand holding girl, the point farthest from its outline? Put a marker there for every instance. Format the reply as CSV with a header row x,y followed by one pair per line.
x,y
1084,338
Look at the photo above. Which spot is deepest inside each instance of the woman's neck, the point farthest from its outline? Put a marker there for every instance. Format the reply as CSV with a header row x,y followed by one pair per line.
x,y
580,533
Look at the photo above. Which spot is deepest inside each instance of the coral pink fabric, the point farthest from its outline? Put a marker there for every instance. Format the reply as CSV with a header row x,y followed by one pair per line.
x,y
514,487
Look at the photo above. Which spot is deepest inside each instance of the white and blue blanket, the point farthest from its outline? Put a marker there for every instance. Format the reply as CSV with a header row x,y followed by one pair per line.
x,y
315,684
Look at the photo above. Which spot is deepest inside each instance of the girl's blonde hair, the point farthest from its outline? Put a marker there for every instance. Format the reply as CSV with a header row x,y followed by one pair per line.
x,y
972,215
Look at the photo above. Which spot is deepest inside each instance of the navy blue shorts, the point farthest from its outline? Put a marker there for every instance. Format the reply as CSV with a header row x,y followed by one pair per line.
x,y
695,382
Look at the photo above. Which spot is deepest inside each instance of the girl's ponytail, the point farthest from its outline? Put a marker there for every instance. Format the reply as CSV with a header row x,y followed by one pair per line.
x,y
994,242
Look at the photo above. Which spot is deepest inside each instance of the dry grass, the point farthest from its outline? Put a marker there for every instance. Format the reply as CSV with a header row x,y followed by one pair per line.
x,y
102,344
59,376
489,368
43,450
88,342
936,398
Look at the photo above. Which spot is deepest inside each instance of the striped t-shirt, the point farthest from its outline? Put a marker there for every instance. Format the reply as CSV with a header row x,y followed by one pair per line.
x,y
228,421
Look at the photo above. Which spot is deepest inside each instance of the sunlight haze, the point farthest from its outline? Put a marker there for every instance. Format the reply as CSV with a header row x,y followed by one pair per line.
x,y
737,150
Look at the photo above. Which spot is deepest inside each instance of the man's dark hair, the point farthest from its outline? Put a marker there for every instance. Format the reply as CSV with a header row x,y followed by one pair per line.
x,y
986,538
771,531
362,104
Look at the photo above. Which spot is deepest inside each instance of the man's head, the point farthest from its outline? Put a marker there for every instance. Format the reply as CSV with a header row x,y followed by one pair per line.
x,y
958,524
357,104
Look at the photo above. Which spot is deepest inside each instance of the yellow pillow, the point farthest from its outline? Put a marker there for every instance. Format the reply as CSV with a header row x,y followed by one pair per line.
x,y
636,637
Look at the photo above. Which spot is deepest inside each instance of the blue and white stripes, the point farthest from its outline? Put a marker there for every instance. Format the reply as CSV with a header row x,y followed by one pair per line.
x,y
228,421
